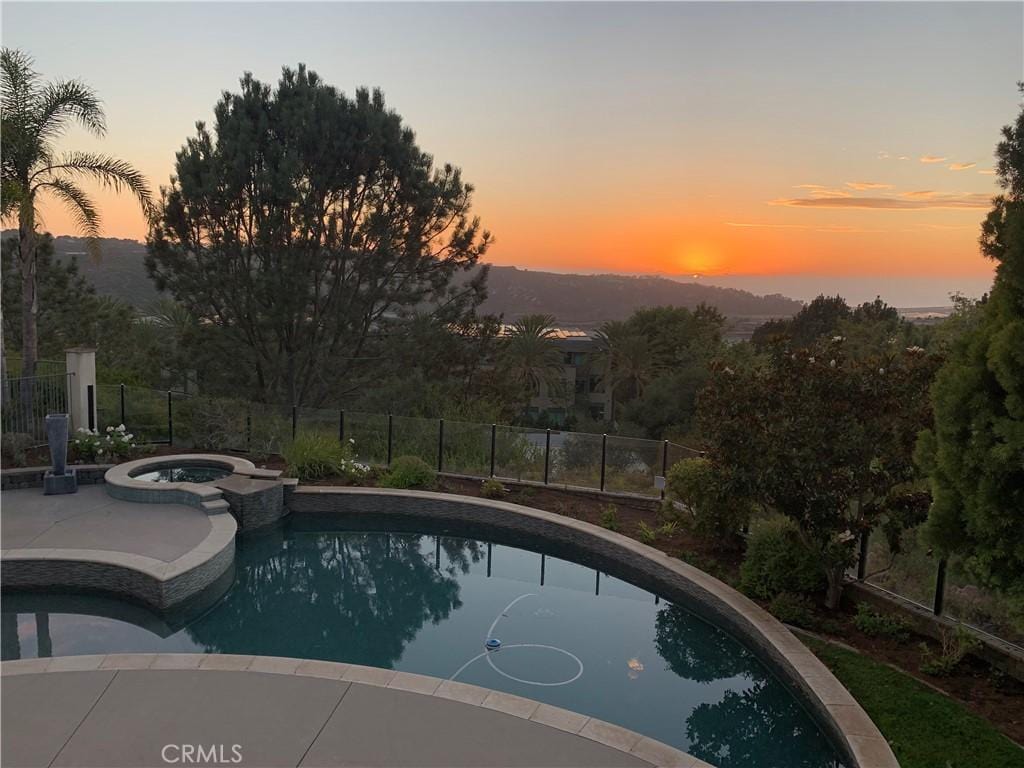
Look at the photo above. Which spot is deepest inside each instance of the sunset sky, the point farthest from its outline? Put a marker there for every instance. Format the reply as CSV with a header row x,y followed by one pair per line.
x,y
761,145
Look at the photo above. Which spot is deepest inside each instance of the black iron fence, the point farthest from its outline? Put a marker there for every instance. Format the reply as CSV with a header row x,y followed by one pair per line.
x,y
25,403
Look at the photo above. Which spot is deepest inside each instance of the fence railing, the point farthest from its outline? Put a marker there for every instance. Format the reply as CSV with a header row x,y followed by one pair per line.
x,y
548,456
43,367
25,402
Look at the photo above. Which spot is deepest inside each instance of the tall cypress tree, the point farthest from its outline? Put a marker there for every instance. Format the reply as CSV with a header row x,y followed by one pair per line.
x,y
975,454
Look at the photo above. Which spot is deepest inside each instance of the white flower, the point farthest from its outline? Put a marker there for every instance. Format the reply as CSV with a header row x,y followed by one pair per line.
x,y
353,442
110,429
837,338
120,427
881,371
99,451
728,370
810,359
915,350
832,363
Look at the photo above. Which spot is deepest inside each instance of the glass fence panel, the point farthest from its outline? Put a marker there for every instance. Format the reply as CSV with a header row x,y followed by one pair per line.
x,y
211,423
467,448
411,436
145,415
677,453
323,422
973,604
268,429
27,401
519,453
369,431
907,570
576,459
108,407
631,464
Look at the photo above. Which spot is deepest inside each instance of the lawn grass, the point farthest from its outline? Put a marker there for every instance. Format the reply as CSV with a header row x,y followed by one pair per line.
x,y
925,728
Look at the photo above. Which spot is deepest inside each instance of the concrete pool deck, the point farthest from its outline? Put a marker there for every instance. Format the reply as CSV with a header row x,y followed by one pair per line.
x,y
161,554
126,709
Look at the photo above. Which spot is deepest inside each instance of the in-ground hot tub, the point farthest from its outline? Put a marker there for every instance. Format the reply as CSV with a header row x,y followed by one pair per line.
x,y
185,473
213,482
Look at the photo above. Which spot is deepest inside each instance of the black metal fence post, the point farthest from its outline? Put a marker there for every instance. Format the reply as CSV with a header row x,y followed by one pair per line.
x,y
170,418
440,445
547,455
123,419
90,404
862,556
341,426
248,429
295,420
940,588
494,439
390,435
604,456
664,466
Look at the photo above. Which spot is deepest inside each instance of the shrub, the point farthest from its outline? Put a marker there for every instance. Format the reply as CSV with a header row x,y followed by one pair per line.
x,y
492,489
610,517
794,609
668,528
881,624
778,561
92,446
14,448
313,457
955,646
409,472
646,533
717,514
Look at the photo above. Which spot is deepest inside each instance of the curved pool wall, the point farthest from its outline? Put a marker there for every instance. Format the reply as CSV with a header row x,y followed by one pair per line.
x,y
859,740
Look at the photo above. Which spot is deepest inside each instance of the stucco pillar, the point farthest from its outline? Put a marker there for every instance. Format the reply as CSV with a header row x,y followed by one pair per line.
x,y
81,365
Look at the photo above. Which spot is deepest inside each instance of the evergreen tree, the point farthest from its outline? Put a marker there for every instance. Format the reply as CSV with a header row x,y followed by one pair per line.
x,y
305,226
975,453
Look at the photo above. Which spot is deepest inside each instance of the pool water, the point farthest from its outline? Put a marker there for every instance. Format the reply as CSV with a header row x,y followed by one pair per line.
x,y
569,636
194,473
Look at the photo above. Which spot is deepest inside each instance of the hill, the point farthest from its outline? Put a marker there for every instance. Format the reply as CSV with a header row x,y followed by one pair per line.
x,y
583,300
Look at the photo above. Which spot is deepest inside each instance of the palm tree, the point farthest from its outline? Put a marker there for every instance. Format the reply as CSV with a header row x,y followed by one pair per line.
x,y
530,356
35,115
627,360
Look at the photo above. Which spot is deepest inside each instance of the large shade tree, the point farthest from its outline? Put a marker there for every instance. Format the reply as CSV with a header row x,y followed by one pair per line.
x,y
303,225
35,116
975,451
825,439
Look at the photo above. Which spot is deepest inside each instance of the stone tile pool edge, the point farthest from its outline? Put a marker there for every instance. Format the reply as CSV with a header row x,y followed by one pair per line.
x,y
853,732
608,734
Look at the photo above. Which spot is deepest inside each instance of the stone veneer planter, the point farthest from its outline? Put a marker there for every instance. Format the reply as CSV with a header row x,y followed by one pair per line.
x,y
861,742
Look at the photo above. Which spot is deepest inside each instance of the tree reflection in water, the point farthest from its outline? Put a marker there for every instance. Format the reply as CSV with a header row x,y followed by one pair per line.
x,y
760,726
354,597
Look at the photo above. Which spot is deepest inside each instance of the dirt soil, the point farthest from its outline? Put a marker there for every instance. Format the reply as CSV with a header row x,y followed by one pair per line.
x,y
988,692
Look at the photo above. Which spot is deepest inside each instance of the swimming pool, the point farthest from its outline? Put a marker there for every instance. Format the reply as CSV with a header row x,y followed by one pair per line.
x,y
570,636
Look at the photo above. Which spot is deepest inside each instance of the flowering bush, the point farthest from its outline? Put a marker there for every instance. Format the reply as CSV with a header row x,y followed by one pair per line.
x,y
315,456
93,446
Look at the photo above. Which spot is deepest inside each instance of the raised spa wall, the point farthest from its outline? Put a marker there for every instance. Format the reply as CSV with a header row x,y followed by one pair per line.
x,y
256,497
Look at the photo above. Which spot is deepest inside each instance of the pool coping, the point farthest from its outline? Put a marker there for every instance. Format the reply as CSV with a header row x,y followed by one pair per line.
x,y
855,732
157,583
591,728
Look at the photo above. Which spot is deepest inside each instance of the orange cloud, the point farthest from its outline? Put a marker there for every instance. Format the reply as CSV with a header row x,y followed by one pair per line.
x,y
987,172
891,204
920,194
932,159
860,186
961,166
